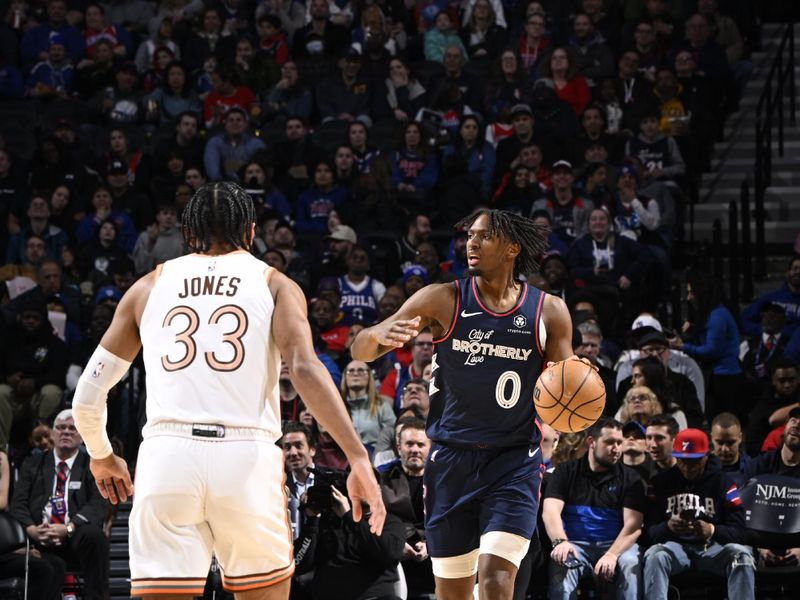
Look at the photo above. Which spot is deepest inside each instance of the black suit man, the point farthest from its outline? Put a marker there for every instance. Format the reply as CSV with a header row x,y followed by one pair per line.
x,y
58,503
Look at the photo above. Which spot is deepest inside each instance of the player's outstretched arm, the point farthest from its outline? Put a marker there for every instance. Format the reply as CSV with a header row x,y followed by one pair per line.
x,y
311,379
433,304
108,364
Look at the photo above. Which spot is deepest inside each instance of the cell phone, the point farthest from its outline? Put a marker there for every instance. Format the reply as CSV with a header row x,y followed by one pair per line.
x,y
690,514
571,562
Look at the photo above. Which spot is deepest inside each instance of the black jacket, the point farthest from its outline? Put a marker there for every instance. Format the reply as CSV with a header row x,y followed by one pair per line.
x,y
714,492
40,355
33,490
348,561
397,496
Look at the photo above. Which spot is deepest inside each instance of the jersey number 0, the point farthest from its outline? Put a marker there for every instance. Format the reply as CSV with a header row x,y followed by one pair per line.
x,y
186,337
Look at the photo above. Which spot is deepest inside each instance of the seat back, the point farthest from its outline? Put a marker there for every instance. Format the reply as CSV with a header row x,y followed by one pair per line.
x,y
771,517
12,534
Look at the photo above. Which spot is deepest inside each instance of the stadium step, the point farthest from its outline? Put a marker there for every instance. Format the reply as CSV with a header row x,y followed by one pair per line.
x,y
119,581
733,161
119,550
119,534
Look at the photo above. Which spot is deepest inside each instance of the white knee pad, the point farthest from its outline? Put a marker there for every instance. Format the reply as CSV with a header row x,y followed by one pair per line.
x,y
456,567
506,545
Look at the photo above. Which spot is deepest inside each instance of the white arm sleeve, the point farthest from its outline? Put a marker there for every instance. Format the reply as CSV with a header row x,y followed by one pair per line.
x,y
102,372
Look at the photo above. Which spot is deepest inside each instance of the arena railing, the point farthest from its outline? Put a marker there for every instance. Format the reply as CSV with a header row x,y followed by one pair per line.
x,y
770,115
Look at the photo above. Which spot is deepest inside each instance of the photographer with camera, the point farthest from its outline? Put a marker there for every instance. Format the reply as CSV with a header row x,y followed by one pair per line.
x,y
696,521
347,560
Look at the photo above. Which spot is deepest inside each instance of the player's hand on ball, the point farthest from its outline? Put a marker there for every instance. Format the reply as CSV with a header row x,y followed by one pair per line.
x,y
363,487
396,333
112,478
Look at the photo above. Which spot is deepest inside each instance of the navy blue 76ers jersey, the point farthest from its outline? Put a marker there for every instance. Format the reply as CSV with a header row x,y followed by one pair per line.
x,y
484,371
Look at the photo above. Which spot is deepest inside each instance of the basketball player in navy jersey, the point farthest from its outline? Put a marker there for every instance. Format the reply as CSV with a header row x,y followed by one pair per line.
x,y
493,335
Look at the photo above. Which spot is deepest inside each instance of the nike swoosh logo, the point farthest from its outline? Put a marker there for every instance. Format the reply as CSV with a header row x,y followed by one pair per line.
x,y
465,314
532,453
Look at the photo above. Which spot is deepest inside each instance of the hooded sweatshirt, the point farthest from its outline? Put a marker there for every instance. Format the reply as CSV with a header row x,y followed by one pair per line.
x,y
713,494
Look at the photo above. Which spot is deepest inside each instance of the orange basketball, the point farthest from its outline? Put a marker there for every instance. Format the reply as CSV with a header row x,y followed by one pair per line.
x,y
569,396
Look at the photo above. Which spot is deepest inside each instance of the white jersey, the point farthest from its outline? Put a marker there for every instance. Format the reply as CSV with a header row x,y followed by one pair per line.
x,y
208,348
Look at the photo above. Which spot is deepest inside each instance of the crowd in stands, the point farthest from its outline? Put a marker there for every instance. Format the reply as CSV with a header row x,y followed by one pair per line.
x,y
363,131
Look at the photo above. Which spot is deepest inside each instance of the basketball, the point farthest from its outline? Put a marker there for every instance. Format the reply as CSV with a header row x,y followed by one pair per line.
x,y
569,396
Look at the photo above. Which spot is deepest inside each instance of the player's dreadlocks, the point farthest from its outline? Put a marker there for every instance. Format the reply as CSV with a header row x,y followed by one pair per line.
x,y
218,211
532,238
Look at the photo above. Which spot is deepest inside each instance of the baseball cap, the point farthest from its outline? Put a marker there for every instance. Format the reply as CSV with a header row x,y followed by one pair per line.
x,y
520,109
690,443
651,337
645,320
415,271
342,233
55,299
117,167
107,292
545,82
628,170
794,413
562,164
353,51
633,428
56,39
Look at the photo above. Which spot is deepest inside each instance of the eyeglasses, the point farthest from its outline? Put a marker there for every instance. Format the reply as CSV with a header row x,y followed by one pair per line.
x,y
358,371
652,351
641,398
63,427
414,388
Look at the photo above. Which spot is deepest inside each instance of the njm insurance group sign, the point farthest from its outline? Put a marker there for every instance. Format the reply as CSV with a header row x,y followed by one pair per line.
x,y
772,504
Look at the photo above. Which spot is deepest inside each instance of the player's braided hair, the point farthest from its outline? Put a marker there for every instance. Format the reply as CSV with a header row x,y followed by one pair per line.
x,y
221,212
532,238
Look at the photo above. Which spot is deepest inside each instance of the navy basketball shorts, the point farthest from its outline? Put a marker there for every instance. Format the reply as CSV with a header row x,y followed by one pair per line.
x,y
471,491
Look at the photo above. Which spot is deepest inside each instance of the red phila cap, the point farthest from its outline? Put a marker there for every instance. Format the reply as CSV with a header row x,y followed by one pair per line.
x,y
690,443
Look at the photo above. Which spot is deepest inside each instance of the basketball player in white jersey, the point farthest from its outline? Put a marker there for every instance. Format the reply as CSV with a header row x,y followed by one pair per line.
x,y
209,477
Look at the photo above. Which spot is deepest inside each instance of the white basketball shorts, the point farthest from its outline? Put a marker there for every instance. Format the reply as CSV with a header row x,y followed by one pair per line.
x,y
197,495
